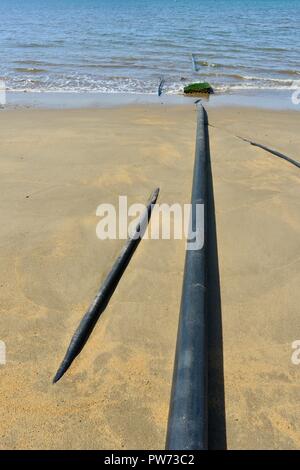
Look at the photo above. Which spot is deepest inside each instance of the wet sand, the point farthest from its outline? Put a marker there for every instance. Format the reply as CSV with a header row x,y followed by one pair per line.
x,y
56,167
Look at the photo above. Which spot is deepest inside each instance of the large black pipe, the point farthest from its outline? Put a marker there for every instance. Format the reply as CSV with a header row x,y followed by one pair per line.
x,y
187,425
108,287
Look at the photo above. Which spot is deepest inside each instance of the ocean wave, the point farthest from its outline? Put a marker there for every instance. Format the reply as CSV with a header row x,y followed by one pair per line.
x,y
224,66
125,85
38,63
40,80
36,45
247,86
29,70
238,76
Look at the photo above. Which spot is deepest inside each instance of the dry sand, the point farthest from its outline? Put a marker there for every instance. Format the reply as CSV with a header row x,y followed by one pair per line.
x,y
56,166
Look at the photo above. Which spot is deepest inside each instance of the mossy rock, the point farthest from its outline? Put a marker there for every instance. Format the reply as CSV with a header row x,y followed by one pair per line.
x,y
198,88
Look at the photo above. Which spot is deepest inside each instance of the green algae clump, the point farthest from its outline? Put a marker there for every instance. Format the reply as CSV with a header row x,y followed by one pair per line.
x,y
198,88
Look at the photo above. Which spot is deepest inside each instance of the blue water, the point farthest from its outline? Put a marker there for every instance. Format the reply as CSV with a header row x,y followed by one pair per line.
x,y
129,45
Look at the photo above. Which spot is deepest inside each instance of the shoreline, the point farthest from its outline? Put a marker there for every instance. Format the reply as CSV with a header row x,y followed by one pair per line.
x,y
280,100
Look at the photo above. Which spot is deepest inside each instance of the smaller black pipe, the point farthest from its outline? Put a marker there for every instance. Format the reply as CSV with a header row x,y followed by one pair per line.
x,y
160,86
195,67
107,289
274,152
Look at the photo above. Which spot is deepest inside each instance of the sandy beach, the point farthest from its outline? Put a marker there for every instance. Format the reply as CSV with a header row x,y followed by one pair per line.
x,y
56,167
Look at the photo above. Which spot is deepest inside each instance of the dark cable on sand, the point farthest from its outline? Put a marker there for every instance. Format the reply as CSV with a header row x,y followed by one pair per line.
x,y
107,289
274,152
267,149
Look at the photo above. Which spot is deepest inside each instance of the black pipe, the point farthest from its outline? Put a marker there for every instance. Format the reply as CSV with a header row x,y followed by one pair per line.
x,y
160,86
187,425
274,152
107,289
195,66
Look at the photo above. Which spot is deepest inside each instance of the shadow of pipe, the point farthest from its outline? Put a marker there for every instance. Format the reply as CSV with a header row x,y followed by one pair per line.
x,y
216,393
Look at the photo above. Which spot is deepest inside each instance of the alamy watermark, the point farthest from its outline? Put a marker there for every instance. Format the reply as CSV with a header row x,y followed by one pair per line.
x,y
295,359
2,353
296,94
174,221
2,93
